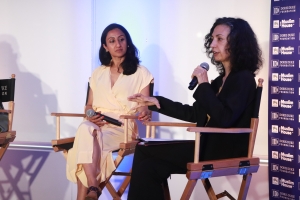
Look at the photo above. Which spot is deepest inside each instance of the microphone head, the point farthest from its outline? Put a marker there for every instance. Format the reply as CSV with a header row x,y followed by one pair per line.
x,y
205,66
90,113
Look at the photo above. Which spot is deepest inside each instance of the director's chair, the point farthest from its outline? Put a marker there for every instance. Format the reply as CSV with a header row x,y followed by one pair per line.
x,y
204,170
7,94
126,148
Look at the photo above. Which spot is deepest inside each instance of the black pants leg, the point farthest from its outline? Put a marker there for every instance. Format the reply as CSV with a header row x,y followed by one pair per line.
x,y
154,164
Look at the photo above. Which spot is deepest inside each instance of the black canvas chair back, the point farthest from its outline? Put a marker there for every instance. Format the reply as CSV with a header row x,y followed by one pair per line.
x,y
7,95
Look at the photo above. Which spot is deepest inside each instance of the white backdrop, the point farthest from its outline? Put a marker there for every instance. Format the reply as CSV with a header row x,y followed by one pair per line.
x,y
52,47
47,44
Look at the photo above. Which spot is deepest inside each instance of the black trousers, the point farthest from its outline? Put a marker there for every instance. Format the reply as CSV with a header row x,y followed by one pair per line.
x,y
152,165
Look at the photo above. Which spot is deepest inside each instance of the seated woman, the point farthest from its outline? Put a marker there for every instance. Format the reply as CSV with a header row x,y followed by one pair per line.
x,y
227,102
90,160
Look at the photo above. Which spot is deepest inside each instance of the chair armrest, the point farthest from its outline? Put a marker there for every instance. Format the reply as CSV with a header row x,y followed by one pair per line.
x,y
5,111
67,115
58,115
176,124
150,126
219,130
128,117
199,130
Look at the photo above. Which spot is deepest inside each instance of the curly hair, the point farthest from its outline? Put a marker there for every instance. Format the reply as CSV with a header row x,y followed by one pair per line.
x,y
131,60
243,47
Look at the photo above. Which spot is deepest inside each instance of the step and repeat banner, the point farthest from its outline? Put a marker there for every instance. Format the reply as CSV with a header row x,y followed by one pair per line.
x,y
284,100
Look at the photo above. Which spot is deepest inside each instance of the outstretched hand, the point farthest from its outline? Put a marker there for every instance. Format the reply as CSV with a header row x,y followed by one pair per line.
x,y
143,101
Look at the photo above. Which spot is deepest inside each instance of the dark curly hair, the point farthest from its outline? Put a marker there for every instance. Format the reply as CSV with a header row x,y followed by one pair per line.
x,y
243,48
131,60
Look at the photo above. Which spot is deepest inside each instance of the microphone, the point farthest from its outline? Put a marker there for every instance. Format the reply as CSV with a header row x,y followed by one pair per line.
x,y
194,81
91,113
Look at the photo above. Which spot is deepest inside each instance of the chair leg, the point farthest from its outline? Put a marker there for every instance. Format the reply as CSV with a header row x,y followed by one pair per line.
x,y
124,185
112,191
244,186
165,186
209,190
3,149
188,189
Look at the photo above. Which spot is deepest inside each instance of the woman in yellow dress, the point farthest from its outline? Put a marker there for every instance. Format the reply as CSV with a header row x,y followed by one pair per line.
x,y
90,160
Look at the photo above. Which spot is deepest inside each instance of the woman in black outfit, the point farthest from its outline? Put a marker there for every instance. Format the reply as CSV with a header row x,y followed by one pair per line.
x,y
227,102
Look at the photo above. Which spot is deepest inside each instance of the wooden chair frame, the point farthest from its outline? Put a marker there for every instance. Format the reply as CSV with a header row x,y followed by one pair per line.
x,y
204,170
10,135
126,148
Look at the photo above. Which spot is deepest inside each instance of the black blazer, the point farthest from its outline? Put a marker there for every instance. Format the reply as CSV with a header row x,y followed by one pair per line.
x,y
232,107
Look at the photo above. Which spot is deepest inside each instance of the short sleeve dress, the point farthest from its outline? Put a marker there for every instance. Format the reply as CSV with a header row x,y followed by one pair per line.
x,y
111,101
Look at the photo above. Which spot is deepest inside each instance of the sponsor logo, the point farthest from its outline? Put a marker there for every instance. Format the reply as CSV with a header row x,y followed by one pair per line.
x,y
287,23
275,129
287,170
274,116
276,10
275,63
282,63
282,116
286,157
275,193
275,90
274,142
275,180
275,23
275,37
284,37
286,183
275,155
287,50
275,76
286,130
274,102
286,103
282,90
274,167
284,143
286,77
275,50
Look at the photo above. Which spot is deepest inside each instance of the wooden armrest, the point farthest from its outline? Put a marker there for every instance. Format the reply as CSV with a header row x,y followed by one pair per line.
x,y
5,111
67,115
128,117
62,141
231,162
176,124
129,145
218,130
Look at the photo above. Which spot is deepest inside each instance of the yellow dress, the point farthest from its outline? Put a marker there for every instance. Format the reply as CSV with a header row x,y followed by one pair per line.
x,y
111,101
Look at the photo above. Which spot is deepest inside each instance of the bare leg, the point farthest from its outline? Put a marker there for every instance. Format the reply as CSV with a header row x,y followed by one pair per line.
x,y
81,190
91,169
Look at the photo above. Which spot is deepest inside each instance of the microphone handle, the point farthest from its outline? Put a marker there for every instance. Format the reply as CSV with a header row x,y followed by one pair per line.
x,y
111,120
193,83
